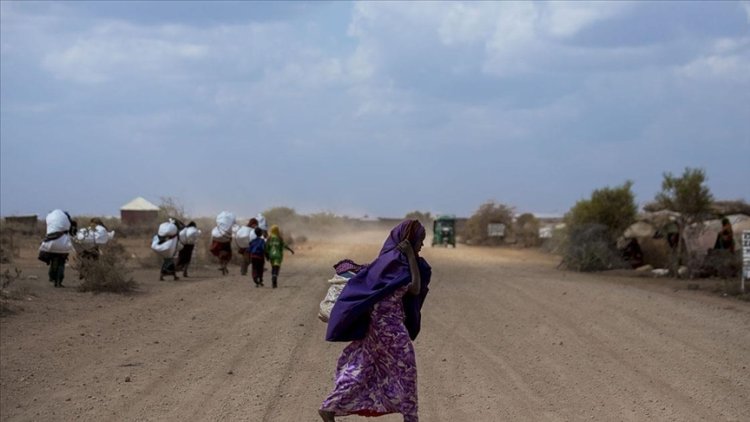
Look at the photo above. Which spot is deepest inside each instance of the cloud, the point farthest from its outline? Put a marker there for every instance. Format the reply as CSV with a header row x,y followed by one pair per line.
x,y
728,59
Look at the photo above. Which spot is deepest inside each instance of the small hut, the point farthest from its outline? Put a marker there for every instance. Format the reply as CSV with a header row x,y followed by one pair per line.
x,y
139,211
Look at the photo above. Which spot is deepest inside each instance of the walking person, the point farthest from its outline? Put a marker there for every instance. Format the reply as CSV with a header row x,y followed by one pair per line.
x,y
242,238
188,237
167,244
379,311
57,244
275,246
257,253
221,242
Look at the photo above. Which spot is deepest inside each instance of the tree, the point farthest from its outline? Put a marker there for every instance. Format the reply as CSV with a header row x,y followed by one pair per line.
x,y
690,197
527,229
489,212
170,207
423,217
687,194
280,215
594,225
613,208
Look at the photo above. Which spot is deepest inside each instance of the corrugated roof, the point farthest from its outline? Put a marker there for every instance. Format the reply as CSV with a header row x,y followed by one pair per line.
x,y
139,204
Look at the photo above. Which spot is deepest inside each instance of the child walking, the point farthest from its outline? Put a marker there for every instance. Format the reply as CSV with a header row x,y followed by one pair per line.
x,y
257,252
275,253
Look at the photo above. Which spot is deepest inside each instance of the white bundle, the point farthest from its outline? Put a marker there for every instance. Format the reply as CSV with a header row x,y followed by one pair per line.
x,y
220,235
189,235
62,244
167,229
337,284
166,249
225,220
57,221
243,236
86,238
102,236
262,222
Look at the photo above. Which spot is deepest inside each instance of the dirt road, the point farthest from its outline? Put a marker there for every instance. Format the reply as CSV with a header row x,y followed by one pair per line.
x,y
505,337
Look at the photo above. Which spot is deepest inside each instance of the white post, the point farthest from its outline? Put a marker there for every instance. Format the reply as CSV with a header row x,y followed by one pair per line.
x,y
745,258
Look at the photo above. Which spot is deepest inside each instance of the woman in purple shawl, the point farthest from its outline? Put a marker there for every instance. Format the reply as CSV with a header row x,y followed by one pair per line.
x,y
379,312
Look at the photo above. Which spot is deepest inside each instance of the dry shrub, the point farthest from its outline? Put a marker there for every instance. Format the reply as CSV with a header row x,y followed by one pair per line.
x,y
108,273
488,213
589,247
7,279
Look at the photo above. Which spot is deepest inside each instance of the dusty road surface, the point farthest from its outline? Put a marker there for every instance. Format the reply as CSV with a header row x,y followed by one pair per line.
x,y
505,337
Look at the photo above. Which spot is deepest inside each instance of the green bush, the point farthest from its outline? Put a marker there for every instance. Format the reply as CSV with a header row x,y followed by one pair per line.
x,y
593,228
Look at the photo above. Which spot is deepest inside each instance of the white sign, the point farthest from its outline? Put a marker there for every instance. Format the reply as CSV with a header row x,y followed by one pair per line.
x,y
745,259
496,230
746,253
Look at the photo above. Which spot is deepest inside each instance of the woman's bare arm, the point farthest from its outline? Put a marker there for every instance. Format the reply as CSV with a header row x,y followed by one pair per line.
x,y
416,280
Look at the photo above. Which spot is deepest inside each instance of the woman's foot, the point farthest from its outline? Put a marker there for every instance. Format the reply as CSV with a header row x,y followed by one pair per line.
x,y
327,415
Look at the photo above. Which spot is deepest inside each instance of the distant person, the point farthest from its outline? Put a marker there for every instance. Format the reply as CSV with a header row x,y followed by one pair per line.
x,y
166,243
221,240
242,238
57,244
95,236
379,311
188,237
725,237
257,253
275,246
262,224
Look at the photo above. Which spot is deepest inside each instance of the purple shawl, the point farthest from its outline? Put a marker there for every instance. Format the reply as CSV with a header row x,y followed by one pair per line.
x,y
350,316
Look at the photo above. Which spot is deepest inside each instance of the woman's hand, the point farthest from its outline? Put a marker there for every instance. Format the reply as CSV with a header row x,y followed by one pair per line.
x,y
405,247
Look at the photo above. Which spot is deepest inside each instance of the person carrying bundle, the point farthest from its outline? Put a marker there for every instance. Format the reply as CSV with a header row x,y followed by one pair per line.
x,y
221,240
57,244
242,238
166,243
188,237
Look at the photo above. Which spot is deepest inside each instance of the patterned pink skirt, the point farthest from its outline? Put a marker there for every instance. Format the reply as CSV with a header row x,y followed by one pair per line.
x,y
378,374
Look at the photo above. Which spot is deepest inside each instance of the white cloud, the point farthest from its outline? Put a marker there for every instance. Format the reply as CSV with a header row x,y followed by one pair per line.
x,y
115,49
566,18
729,59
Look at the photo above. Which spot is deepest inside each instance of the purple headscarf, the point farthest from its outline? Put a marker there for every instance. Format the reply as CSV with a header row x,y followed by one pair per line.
x,y
350,316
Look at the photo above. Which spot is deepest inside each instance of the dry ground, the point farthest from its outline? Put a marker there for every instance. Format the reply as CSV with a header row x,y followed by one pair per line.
x,y
505,337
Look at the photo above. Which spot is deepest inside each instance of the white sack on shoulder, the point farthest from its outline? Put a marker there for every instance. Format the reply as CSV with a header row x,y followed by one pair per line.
x,y
167,229
225,220
101,236
262,222
220,235
189,235
57,221
167,249
243,236
62,244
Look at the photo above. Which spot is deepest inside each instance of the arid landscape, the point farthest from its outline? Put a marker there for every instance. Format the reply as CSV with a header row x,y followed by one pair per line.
x,y
505,336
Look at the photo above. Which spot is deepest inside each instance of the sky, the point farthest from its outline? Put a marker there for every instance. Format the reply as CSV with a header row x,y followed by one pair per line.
x,y
372,108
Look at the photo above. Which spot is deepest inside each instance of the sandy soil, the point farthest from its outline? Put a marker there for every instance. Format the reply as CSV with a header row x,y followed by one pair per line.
x,y
505,336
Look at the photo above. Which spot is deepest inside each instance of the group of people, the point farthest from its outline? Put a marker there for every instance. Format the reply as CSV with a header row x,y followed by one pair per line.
x,y
378,311
63,236
253,242
175,239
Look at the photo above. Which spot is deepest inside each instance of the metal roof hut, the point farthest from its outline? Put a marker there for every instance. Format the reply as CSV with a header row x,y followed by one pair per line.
x,y
139,211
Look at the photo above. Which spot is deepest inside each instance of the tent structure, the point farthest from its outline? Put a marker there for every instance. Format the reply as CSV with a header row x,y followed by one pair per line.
x,y
139,211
